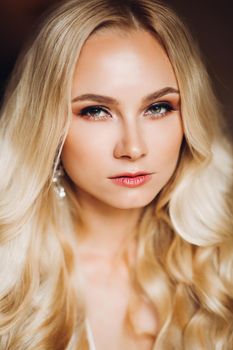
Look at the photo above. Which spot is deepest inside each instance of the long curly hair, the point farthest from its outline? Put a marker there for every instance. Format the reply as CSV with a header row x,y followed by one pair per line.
x,y
184,259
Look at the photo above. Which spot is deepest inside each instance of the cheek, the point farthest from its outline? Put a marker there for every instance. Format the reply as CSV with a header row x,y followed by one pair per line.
x,y
166,146
83,148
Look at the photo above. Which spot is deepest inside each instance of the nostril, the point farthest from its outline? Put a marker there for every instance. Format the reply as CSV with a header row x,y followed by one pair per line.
x,y
130,151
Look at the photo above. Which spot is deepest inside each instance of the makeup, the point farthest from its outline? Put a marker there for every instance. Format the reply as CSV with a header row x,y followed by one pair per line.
x,y
123,142
131,181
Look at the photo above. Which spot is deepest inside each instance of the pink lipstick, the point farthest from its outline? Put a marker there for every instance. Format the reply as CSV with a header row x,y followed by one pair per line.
x,y
131,179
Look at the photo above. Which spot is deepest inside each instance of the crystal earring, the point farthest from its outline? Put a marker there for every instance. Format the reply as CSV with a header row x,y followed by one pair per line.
x,y
58,188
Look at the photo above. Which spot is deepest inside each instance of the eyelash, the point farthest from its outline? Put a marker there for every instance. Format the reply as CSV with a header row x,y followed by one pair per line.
x,y
91,111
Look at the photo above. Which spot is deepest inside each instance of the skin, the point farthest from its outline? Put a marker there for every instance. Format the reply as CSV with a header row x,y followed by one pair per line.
x,y
126,67
127,136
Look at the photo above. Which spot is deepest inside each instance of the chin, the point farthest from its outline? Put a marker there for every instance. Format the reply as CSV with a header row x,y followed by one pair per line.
x,y
133,203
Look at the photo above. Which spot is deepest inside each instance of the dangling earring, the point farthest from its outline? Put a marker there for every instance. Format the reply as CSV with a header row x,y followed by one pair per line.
x,y
58,188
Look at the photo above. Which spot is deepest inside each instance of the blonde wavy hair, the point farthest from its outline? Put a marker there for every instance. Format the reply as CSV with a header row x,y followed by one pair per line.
x,y
184,262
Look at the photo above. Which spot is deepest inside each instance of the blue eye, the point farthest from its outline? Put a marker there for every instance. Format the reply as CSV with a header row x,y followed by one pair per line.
x,y
158,110
94,112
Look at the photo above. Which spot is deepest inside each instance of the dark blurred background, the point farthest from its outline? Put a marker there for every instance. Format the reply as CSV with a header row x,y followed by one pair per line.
x,y
211,23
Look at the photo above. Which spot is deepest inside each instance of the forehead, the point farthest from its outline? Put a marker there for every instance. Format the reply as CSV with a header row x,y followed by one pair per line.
x,y
113,58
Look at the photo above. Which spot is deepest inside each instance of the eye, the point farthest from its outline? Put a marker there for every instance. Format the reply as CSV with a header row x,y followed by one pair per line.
x,y
94,113
158,110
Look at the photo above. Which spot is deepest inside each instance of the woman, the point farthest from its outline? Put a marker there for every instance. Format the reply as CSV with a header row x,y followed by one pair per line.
x,y
116,226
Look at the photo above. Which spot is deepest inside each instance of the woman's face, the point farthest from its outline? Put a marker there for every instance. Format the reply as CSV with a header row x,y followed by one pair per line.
x,y
126,120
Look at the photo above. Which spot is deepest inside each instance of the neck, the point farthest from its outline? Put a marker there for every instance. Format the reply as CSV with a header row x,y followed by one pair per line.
x,y
104,231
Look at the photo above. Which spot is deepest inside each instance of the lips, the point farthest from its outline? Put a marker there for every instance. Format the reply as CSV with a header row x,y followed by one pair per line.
x,y
128,174
131,180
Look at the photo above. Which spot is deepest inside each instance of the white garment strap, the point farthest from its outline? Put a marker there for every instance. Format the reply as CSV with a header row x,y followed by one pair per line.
x,y
90,336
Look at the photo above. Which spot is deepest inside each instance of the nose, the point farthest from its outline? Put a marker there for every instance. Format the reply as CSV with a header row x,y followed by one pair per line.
x,y
131,143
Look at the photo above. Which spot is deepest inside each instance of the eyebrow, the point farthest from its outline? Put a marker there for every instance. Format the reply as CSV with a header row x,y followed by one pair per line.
x,y
113,101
